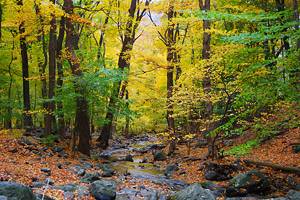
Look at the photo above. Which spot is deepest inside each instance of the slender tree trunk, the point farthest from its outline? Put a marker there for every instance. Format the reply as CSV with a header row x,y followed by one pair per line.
x,y
42,62
296,15
27,119
205,6
82,128
1,12
61,120
8,121
127,123
123,63
171,38
49,126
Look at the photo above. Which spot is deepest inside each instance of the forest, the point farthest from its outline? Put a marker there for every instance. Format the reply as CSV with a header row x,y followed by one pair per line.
x,y
149,99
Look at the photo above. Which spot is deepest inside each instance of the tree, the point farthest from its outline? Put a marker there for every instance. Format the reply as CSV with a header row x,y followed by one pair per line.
x,y
27,119
128,37
82,128
50,119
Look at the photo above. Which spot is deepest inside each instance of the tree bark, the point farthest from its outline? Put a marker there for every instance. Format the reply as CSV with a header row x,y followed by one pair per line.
x,y
59,82
1,12
205,6
27,119
171,59
296,15
8,121
82,128
123,63
42,62
294,170
49,126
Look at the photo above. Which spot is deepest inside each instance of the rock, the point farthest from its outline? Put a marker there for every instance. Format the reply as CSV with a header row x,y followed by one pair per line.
x,y
170,169
59,165
129,158
218,172
69,196
46,170
159,156
87,165
293,195
103,190
42,197
15,191
38,184
105,155
81,172
90,177
216,189
57,149
3,197
107,170
244,198
68,187
252,182
296,148
25,141
83,192
49,181
193,192
78,170
13,150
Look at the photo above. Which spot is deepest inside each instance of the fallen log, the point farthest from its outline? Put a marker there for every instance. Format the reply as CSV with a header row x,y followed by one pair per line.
x,y
294,170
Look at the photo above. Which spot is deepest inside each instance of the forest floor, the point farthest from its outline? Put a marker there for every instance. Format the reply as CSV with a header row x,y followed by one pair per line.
x,y
24,160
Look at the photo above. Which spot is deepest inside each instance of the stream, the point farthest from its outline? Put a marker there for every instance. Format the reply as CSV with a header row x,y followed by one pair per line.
x,y
139,168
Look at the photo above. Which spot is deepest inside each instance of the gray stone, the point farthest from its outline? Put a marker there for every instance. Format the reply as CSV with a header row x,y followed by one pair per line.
x,y
107,170
69,196
193,192
68,187
103,190
159,156
293,195
15,191
3,197
170,169
252,182
43,197
129,158
90,177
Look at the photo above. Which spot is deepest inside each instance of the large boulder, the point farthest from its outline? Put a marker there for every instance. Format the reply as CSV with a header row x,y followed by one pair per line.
x,y
15,191
103,190
193,192
218,172
252,182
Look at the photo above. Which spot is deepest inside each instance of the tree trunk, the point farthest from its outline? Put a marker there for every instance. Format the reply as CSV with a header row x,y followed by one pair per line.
x,y
61,120
123,63
8,121
82,128
1,12
205,6
296,15
52,73
42,62
126,130
27,119
171,58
